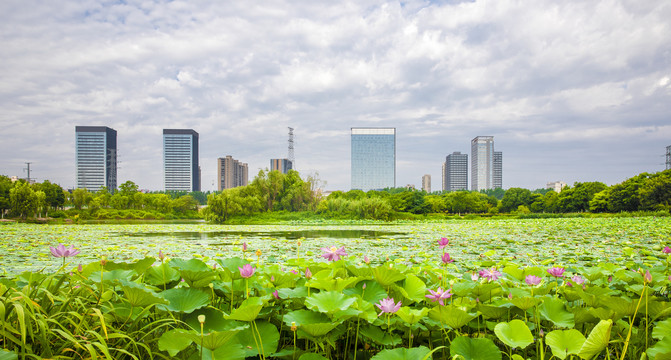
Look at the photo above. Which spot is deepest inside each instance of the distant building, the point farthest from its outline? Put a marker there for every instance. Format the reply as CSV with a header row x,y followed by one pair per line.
x,y
498,170
96,157
231,173
444,178
373,158
486,164
557,186
455,172
426,183
668,157
410,187
180,160
281,165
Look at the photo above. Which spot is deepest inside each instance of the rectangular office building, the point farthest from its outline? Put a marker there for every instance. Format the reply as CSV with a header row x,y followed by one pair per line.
x,y
95,157
373,158
231,173
456,172
281,165
498,170
180,160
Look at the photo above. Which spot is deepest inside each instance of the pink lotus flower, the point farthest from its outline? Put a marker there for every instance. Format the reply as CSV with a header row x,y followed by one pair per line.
x,y
579,280
387,306
556,271
475,276
532,280
161,256
62,251
244,246
308,273
246,271
490,274
366,259
333,253
276,295
439,295
666,250
447,259
443,242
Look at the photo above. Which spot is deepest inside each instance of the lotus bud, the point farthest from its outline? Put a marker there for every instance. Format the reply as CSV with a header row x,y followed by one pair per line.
x,y
272,278
211,285
258,252
299,243
647,277
161,256
366,259
244,246
276,294
293,326
201,319
308,273
103,261
364,286
80,268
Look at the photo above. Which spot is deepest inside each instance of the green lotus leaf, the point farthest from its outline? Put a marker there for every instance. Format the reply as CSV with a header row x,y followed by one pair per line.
x,y
373,292
463,288
403,354
185,300
198,279
592,273
232,351
621,306
514,333
216,339
413,288
412,316
514,271
161,275
269,334
451,316
554,310
214,320
526,302
8,355
191,265
248,310
333,284
597,340
492,312
231,266
138,295
114,276
486,291
295,293
312,356
475,349
583,315
329,302
565,342
661,350
376,335
139,266
312,323
174,341
386,276
662,329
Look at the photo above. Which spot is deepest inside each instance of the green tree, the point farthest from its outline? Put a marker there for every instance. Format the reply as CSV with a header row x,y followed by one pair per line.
x,y
655,194
80,198
600,201
5,186
41,203
514,197
22,199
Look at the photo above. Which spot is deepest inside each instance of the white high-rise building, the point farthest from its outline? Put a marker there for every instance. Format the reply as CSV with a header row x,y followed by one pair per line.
x,y
486,164
180,160
426,183
95,157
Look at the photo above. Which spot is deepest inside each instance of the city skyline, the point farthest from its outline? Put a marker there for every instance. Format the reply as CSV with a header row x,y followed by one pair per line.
x,y
581,92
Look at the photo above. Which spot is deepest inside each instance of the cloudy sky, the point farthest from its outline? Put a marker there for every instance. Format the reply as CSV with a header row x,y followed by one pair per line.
x,y
570,90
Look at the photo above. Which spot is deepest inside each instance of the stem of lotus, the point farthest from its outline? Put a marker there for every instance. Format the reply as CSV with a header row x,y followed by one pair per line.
x,y
254,336
294,354
256,328
201,341
631,322
246,288
356,339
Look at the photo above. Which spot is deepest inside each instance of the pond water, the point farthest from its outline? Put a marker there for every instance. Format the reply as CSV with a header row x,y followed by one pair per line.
x,y
26,246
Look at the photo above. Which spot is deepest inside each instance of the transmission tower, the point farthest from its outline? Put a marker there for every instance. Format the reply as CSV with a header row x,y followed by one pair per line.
x,y
290,156
668,157
28,170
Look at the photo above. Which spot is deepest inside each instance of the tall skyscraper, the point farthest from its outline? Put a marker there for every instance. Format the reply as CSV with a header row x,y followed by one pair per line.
x,y
281,165
373,158
231,173
498,170
426,183
485,164
95,157
456,172
180,160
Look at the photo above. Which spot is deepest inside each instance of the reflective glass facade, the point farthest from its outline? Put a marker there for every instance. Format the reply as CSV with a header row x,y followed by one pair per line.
x,y
180,160
95,157
373,158
486,164
456,172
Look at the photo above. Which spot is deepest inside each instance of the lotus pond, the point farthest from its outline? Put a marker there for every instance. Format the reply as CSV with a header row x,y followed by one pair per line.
x,y
517,289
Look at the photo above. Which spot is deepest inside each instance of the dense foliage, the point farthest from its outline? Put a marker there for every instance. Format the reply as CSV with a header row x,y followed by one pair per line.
x,y
343,308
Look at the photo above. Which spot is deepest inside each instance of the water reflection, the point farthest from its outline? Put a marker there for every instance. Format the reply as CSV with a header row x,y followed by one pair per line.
x,y
290,235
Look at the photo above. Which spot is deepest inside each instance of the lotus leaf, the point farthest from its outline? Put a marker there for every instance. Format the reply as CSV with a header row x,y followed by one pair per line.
x,y
386,276
174,341
311,356
514,333
140,296
333,284
312,323
661,350
215,339
554,310
525,303
404,354
475,349
185,300
662,329
565,342
412,316
198,279
269,334
114,276
161,275
373,292
451,316
376,335
214,320
248,310
597,340
413,288
191,264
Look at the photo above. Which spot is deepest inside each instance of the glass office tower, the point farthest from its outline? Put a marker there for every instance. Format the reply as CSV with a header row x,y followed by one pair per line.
x,y
95,157
180,160
373,158
456,172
